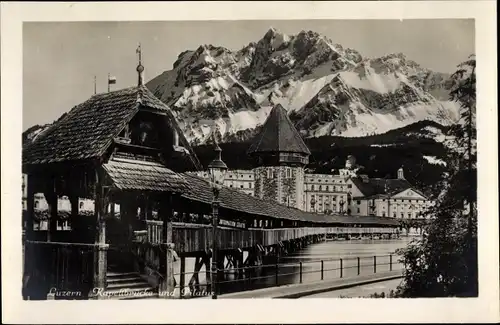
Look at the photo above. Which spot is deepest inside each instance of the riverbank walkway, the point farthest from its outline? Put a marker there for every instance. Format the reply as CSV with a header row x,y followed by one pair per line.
x,y
305,289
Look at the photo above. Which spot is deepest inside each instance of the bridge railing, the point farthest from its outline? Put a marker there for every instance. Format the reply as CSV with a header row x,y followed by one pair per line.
x,y
195,237
274,275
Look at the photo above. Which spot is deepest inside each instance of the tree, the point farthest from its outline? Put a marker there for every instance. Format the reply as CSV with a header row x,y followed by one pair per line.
x,y
444,262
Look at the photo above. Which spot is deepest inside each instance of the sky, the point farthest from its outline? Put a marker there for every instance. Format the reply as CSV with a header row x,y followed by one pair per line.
x,y
60,60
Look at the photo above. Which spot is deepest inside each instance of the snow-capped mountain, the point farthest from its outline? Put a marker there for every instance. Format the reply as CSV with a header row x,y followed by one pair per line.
x,y
327,89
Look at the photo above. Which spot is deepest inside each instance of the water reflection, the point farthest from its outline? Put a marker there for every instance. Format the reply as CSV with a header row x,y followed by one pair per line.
x,y
330,253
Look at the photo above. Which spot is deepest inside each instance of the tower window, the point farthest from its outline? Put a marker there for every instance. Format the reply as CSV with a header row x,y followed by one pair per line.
x,y
81,205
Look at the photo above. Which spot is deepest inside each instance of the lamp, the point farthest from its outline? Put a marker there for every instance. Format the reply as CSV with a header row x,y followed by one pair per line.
x,y
217,170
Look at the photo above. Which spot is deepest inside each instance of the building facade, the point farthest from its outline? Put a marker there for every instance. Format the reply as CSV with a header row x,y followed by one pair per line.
x,y
240,179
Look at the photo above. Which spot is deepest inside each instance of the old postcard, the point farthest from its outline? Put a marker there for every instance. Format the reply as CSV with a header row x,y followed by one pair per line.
x,y
204,158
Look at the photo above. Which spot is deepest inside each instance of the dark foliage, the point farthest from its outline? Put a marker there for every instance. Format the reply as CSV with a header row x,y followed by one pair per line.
x,y
444,262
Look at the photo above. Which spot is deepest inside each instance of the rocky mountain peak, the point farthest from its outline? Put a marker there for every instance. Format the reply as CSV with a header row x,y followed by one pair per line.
x,y
327,88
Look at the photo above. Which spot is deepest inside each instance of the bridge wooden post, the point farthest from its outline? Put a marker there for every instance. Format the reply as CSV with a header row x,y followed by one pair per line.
x,y
51,198
182,277
206,260
30,208
102,254
28,252
166,286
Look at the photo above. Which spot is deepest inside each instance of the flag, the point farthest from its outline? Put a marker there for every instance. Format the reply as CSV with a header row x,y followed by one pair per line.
x,y
111,80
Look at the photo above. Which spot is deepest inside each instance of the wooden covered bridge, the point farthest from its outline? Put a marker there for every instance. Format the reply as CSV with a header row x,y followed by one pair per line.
x,y
125,149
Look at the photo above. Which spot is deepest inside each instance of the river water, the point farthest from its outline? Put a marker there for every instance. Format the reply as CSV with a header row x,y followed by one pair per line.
x,y
340,259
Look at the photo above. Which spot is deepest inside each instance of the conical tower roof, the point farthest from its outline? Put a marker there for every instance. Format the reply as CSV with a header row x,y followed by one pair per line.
x,y
278,135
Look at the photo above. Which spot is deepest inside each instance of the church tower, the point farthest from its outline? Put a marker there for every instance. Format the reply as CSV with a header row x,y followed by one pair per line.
x,y
279,155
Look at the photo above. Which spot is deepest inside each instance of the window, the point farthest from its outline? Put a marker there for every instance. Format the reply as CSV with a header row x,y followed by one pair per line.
x,y
349,185
394,215
231,185
37,203
402,215
320,188
358,210
383,213
312,187
358,202
409,215
81,205
241,186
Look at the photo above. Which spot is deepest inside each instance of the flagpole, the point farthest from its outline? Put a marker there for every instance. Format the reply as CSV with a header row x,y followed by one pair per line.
x,y
95,85
109,86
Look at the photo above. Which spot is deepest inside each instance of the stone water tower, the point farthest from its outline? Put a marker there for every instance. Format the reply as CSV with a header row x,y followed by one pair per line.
x,y
279,155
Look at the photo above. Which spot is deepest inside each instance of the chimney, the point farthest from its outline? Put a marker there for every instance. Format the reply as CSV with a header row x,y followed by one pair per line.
x,y
401,173
364,178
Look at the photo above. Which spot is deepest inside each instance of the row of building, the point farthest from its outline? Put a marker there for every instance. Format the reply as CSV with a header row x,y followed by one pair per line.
x,y
280,157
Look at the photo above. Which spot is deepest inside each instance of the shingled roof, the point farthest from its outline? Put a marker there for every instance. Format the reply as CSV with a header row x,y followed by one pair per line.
x,y
89,128
198,189
129,174
373,187
278,135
